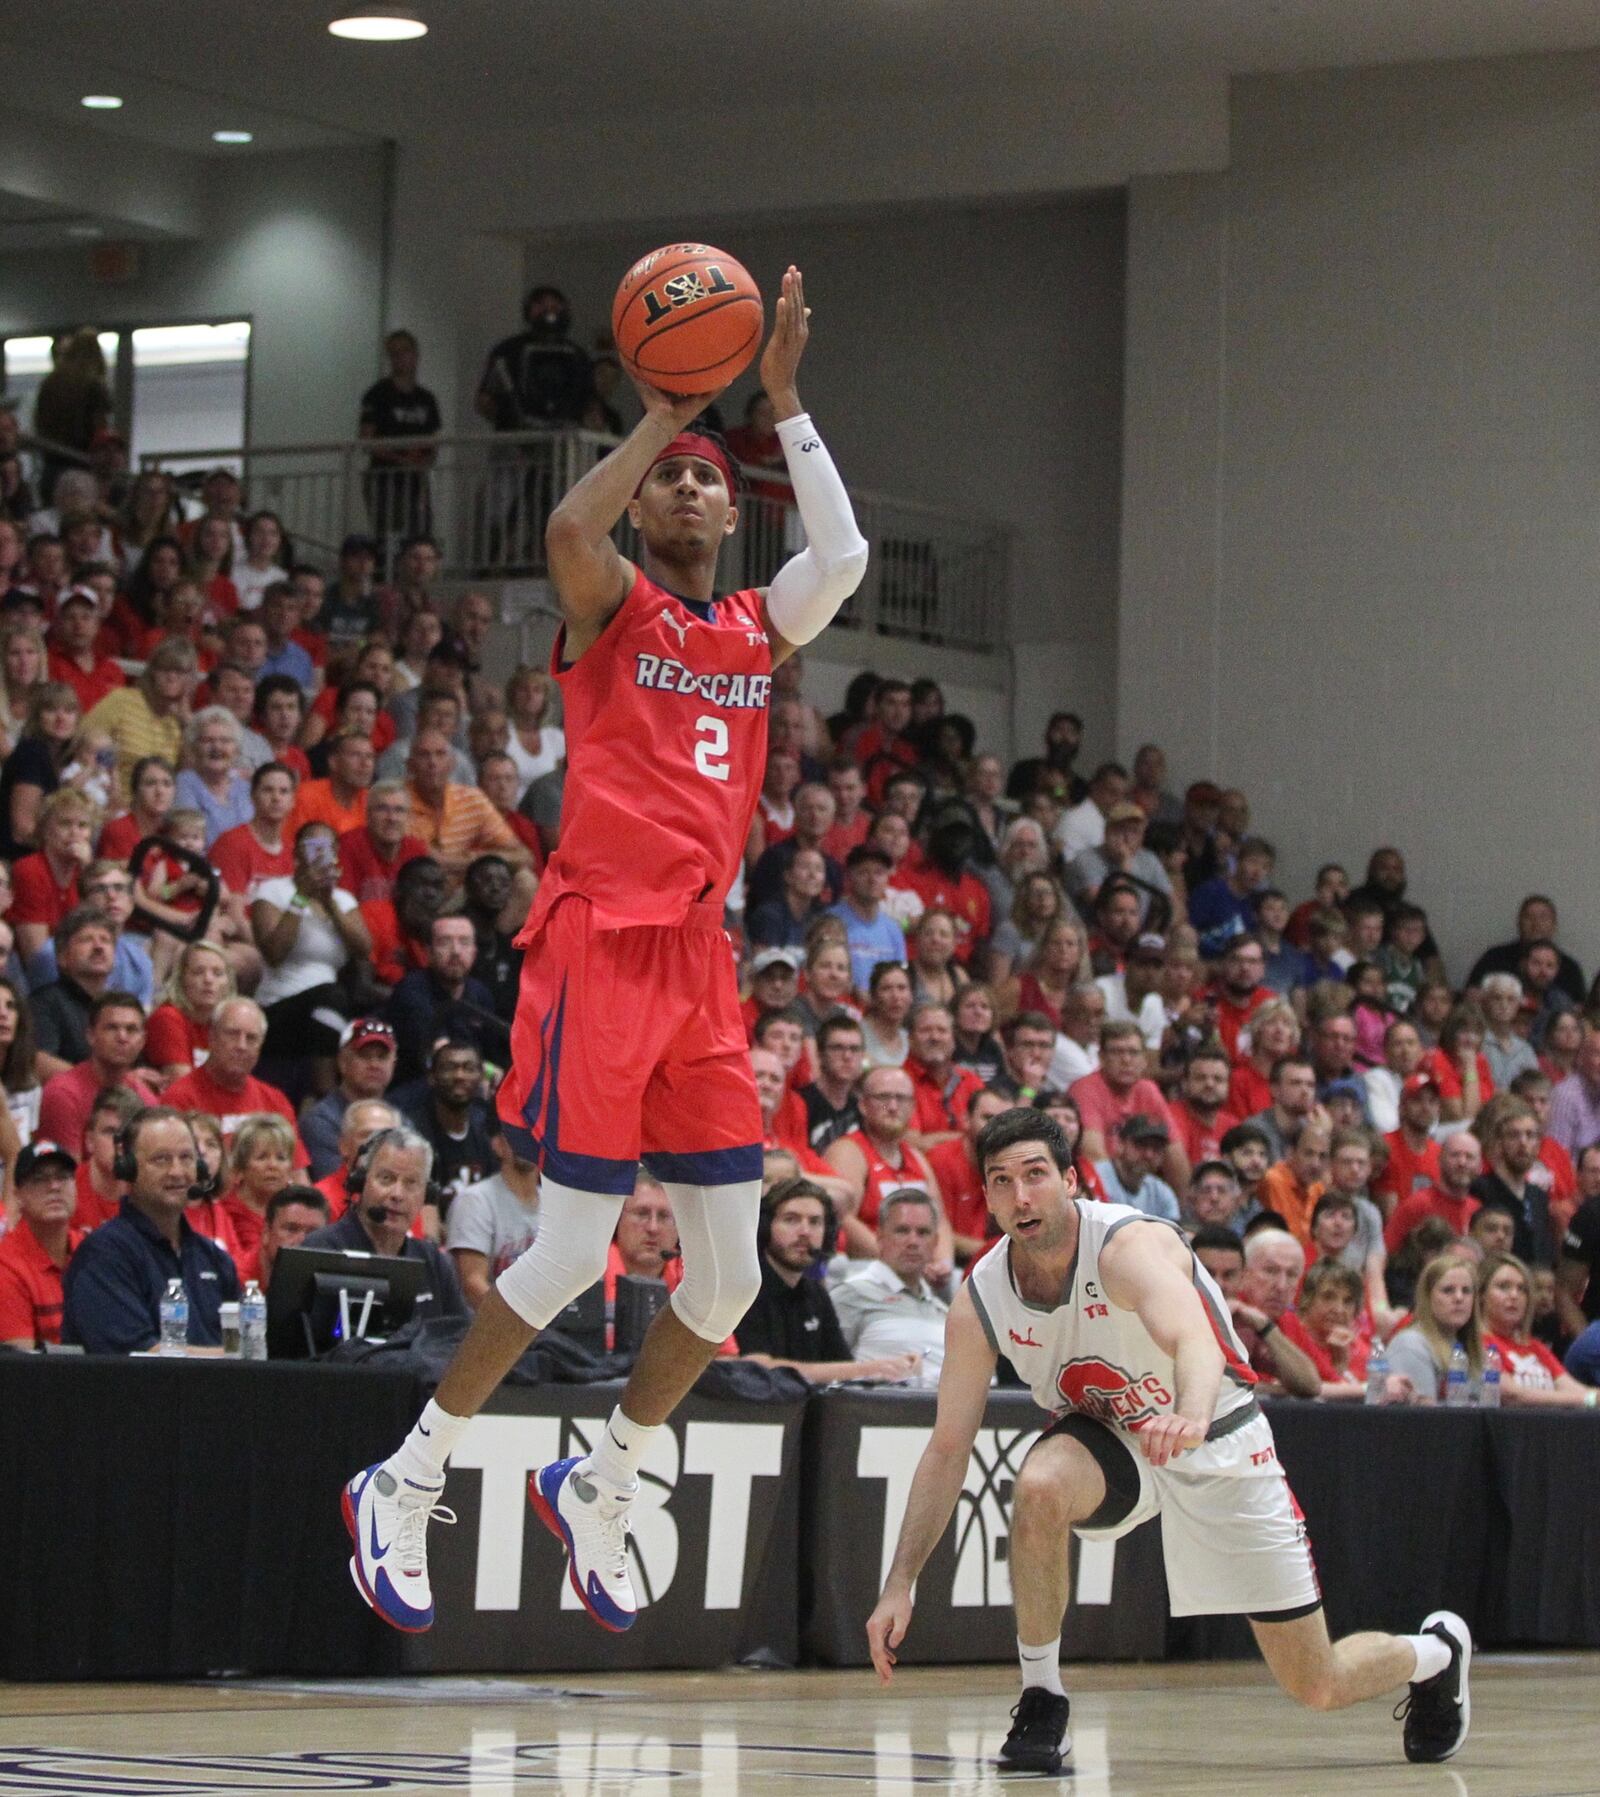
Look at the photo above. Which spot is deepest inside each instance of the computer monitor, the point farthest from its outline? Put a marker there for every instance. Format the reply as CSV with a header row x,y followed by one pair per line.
x,y
638,1303
320,1297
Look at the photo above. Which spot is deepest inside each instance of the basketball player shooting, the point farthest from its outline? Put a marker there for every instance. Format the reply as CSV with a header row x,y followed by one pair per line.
x,y
1121,1333
628,1040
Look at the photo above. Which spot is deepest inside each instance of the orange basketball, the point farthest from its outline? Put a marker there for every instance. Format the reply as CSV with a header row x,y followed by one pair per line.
x,y
687,318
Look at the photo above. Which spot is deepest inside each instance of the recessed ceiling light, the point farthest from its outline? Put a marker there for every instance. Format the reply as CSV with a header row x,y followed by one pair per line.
x,y
102,102
374,24
232,137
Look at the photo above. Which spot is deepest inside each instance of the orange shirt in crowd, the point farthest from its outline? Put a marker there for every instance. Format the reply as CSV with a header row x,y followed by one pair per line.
x,y
1283,1190
315,803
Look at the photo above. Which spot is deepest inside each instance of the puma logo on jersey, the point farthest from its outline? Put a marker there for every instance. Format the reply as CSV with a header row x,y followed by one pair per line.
x,y
681,625
732,692
1024,1341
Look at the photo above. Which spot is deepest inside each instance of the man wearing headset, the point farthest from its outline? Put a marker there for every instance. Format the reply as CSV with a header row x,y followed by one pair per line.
x,y
115,1281
792,1322
388,1183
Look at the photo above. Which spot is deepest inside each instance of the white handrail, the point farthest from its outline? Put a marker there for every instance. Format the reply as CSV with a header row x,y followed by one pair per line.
x,y
934,576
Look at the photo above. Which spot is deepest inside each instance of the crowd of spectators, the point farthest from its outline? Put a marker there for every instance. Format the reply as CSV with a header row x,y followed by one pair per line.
x,y
268,827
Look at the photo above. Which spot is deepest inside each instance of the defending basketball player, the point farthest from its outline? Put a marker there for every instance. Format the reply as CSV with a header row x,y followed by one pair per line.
x,y
627,1040
1122,1334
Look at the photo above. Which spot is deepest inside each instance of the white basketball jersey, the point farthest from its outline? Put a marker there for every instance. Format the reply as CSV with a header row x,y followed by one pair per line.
x,y
1087,1355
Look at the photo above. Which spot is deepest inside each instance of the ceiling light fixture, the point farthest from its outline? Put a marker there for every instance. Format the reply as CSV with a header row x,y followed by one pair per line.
x,y
232,137
102,102
373,24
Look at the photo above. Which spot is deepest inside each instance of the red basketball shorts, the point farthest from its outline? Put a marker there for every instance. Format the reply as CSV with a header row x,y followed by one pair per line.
x,y
628,1045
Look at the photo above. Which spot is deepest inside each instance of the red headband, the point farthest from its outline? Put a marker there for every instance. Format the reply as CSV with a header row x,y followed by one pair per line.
x,y
692,443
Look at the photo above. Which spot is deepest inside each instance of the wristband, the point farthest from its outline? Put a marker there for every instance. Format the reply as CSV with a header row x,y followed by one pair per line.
x,y
1266,1328
1591,1398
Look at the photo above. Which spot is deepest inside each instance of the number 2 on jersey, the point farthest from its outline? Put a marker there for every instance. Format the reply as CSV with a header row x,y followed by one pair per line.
x,y
711,751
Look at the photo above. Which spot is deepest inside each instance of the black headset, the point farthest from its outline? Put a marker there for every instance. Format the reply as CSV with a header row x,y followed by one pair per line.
x,y
355,1181
125,1162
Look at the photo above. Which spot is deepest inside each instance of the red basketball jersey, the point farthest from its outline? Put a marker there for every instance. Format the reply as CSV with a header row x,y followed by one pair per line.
x,y
666,723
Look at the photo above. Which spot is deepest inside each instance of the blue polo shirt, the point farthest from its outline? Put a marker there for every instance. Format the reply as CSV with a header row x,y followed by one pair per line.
x,y
114,1283
869,943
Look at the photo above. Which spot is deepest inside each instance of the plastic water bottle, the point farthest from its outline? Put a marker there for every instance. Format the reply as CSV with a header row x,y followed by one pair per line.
x,y
174,1318
253,1323
1491,1379
1377,1373
1457,1383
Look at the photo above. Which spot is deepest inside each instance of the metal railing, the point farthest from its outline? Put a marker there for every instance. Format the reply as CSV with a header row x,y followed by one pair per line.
x,y
932,577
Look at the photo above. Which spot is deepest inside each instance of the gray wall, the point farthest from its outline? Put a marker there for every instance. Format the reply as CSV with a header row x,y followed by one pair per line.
x,y
1361,498
966,358
294,243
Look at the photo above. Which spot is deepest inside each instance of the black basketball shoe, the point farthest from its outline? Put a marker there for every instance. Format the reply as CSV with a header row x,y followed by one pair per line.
x,y
1438,1712
1038,1740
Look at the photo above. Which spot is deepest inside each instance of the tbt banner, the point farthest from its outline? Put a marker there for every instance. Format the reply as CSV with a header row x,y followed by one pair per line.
x,y
861,1454
715,1541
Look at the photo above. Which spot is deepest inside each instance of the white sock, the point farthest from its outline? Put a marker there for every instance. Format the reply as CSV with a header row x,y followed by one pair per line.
x,y
1041,1666
614,1461
421,1456
1433,1656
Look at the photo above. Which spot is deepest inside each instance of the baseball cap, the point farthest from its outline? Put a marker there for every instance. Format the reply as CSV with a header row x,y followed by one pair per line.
x,y
77,596
776,957
1420,1081
1143,1128
1150,944
1353,1088
356,544
363,1030
38,1155
1125,812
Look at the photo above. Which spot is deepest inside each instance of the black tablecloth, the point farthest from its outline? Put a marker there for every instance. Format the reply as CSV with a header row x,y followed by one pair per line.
x,y
164,1519
169,1519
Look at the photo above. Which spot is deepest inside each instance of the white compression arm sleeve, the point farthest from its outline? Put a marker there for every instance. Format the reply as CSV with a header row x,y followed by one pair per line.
x,y
808,590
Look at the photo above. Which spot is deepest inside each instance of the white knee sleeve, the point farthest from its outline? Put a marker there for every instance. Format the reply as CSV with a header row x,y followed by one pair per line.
x,y
721,1269
567,1256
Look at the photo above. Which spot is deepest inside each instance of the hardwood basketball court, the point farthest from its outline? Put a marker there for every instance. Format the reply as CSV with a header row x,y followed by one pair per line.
x,y
1139,1731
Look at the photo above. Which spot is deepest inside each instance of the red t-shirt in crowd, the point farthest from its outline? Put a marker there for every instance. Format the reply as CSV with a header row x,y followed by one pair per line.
x,y
913,1173
104,677
247,1226
30,1286
1248,1090
69,1097
243,861
200,1091
1563,1179
1407,1172
842,838
935,1110
93,1210
1444,1069
173,1039
965,898
393,954
314,643
1457,1212
1303,1339
1103,1110
38,897
1199,1141
364,871
960,1187
1529,1363
1233,1019
527,834
326,707
120,838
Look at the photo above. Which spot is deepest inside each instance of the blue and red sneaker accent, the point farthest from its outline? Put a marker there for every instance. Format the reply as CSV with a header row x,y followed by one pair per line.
x,y
388,1523
594,1528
